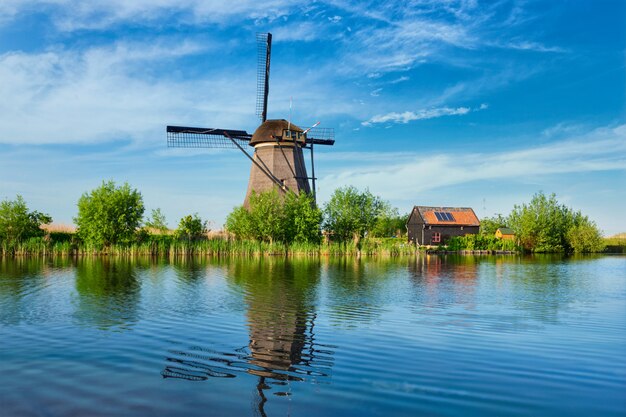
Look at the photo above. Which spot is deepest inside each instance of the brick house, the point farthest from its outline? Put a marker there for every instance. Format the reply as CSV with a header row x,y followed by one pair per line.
x,y
435,225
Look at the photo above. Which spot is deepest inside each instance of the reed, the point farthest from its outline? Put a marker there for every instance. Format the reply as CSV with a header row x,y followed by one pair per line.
x,y
66,244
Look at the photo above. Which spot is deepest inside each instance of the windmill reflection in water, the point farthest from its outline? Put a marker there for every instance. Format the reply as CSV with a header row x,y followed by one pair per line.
x,y
282,345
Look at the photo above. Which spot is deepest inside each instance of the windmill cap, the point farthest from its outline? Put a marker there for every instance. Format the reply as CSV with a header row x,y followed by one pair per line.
x,y
272,129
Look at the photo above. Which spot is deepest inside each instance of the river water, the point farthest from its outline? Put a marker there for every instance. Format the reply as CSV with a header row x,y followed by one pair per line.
x,y
429,335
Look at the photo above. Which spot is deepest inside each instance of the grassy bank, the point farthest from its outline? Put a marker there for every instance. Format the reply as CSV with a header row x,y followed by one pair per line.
x,y
615,243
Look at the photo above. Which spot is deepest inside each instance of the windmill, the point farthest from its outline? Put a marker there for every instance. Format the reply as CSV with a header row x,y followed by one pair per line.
x,y
278,158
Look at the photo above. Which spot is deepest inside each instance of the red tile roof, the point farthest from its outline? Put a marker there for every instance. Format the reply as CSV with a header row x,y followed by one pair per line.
x,y
463,216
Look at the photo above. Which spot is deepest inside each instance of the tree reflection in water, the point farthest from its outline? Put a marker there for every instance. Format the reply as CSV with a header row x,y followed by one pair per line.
x,y
109,292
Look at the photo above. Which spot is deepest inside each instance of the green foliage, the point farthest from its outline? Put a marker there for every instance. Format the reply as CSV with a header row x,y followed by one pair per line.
x,y
157,221
109,214
480,242
584,236
18,224
615,243
191,227
489,225
541,226
390,222
239,223
544,225
266,216
272,218
350,214
302,219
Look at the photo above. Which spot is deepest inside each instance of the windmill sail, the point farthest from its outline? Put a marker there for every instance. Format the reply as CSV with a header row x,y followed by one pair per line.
x,y
200,137
205,137
277,159
264,49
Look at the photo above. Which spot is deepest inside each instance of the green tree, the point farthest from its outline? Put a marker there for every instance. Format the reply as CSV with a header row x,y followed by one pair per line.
x,y
18,223
390,222
239,223
266,216
271,217
157,221
350,214
109,214
302,219
584,236
544,225
191,227
541,225
489,225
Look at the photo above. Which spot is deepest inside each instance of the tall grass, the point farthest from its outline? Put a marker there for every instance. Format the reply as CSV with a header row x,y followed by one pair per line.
x,y
163,245
616,243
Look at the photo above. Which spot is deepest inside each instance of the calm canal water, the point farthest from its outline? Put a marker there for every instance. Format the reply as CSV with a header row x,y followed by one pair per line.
x,y
435,336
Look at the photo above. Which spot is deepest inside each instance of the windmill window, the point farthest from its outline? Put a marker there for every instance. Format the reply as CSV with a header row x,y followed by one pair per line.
x,y
436,237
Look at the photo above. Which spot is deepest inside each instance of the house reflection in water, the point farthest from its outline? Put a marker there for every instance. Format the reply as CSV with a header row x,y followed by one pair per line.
x,y
442,280
280,297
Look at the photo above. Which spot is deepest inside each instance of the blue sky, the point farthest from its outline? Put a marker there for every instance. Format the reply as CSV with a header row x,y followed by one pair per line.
x,y
465,103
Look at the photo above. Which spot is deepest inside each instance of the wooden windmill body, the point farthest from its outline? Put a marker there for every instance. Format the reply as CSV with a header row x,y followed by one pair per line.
x,y
278,160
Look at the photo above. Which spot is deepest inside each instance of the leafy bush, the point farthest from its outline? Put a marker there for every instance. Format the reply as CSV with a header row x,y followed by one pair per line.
x,y
191,227
480,242
390,223
584,237
302,219
350,214
275,218
544,225
18,223
109,214
489,225
157,221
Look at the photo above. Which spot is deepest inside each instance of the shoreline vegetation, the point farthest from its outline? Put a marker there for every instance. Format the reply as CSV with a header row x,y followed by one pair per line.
x,y
167,245
67,244
110,221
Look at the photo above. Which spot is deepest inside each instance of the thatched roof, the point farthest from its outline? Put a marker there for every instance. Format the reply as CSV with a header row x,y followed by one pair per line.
x,y
271,129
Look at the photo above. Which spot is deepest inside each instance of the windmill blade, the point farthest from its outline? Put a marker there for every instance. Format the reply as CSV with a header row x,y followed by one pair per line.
x,y
202,137
320,136
264,49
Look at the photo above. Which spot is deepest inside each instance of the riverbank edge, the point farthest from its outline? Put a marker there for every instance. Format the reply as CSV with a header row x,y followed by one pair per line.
x,y
230,247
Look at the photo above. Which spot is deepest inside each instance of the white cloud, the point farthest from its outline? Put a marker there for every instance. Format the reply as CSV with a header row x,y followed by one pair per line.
x,y
71,15
399,80
533,46
403,176
108,93
409,116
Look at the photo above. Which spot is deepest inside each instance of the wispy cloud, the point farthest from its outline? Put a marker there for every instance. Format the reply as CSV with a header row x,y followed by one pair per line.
x,y
107,93
72,15
409,116
399,80
532,46
602,149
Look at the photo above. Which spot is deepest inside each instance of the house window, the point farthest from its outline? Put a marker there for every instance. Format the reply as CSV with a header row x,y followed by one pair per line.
x,y
436,237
